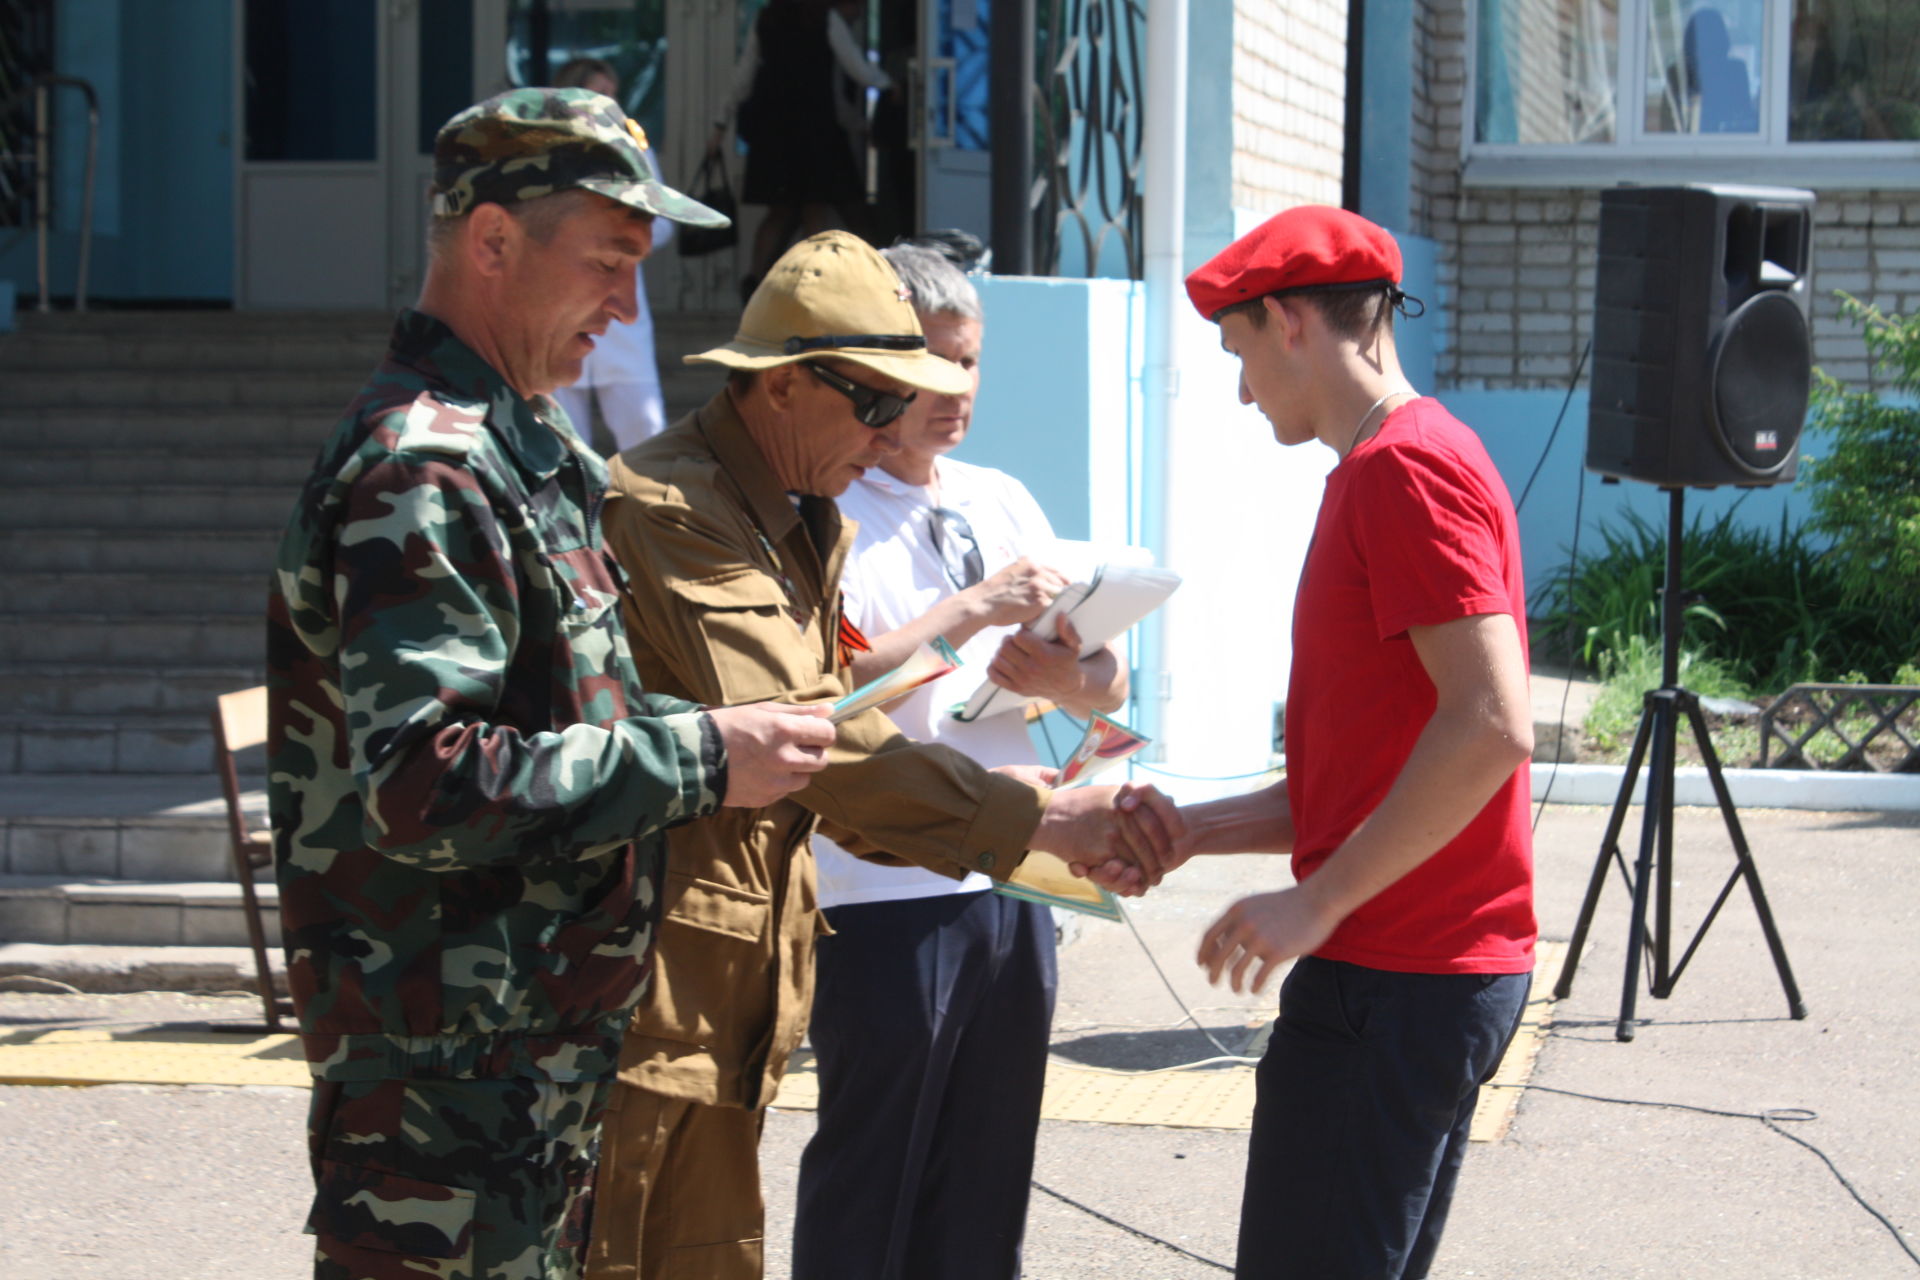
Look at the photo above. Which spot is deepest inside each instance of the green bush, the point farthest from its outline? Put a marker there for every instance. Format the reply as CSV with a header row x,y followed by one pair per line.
x,y
1628,670
1864,478
1769,609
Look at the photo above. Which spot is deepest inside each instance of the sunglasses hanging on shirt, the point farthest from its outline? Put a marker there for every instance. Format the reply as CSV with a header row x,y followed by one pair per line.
x,y
959,550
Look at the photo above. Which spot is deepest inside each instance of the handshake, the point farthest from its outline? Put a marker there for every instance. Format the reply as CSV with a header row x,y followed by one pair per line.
x,y
1125,838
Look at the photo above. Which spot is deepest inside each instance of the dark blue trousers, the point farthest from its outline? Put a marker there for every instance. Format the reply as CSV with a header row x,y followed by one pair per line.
x,y
930,1025
1364,1100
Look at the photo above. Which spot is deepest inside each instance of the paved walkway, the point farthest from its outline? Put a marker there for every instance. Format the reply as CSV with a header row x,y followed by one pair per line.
x,y
132,1182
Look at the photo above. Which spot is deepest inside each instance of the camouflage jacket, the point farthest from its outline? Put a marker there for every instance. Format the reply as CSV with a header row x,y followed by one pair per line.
x,y
468,788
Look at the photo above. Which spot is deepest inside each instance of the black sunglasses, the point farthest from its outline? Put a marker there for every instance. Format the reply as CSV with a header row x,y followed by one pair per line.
x,y
871,407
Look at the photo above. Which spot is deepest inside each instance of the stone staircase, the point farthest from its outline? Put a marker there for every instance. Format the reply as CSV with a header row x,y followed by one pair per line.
x,y
148,461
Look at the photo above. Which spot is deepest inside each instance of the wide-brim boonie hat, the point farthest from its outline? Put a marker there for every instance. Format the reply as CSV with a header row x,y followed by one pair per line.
x,y
833,296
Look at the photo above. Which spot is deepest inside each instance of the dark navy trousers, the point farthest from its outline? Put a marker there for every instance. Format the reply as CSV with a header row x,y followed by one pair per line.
x,y
1364,1099
930,1025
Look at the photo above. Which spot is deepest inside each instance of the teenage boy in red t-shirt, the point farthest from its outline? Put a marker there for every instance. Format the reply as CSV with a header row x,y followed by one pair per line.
x,y
1405,801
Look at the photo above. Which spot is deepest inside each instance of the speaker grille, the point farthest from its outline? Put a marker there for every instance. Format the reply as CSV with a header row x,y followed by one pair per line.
x,y
1761,378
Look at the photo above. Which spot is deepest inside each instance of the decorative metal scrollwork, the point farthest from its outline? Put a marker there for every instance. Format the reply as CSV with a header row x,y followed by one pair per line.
x,y
1089,122
26,50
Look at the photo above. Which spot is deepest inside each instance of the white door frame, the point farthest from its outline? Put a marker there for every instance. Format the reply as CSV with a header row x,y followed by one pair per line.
x,y
349,235
409,172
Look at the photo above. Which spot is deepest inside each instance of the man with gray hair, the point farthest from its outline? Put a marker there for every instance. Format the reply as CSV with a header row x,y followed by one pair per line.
x,y
934,1002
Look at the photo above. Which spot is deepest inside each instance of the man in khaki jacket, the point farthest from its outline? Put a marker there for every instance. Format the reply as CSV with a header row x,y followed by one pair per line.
x,y
727,529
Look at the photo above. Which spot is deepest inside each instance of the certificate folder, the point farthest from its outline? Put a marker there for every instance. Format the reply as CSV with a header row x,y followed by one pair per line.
x,y
1045,879
1117,594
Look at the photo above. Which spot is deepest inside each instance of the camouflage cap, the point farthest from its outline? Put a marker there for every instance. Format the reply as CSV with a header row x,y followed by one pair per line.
x,y
527,143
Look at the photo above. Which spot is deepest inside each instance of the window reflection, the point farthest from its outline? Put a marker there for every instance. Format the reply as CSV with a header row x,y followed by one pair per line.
x,y
1703,66
1546,71
311,86
1854,73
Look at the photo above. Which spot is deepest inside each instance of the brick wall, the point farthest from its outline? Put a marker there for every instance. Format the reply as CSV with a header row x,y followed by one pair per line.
x,y
1516,265
1289,102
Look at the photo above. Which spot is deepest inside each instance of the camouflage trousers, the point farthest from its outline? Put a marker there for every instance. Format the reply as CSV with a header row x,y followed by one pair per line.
x,y
453,1179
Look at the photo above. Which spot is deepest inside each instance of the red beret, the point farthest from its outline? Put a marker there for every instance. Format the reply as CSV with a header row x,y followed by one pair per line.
x,y
1311,246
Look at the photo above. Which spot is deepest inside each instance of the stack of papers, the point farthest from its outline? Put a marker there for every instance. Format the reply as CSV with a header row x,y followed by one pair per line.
x,y
1117,591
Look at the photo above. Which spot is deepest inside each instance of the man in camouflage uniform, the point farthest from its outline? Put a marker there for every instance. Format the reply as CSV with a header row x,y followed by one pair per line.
x,y
468,786
728,525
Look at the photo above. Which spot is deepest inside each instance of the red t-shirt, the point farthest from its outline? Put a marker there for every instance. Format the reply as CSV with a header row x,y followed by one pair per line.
x,y
1416,529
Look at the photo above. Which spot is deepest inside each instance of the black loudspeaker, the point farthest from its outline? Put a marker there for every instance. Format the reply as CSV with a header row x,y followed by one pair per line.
x,y
1702,359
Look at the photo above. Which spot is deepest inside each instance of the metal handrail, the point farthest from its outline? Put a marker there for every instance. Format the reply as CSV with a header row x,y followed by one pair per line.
x,y
43,87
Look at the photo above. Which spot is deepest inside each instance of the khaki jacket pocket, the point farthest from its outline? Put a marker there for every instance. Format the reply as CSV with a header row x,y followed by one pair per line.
x,y
710,974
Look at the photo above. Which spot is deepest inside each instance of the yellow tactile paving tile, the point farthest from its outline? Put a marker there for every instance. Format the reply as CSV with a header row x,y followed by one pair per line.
x,y
1209,1098
1218,1097
1494,1112
166,1055
1222,1097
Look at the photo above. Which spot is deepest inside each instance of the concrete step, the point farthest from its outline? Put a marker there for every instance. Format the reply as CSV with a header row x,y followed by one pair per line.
x,y
114,743
226,431
62,911
137,826
80,689
235,354
149,507
285,466
54,595
145,847
97,550
187,388
213,323
114,638
92,968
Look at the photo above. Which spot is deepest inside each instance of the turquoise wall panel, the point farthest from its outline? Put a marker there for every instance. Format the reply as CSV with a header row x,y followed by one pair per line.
x,y
163,196
1517,427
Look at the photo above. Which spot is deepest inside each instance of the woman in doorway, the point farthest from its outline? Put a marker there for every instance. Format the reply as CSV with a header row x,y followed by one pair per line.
x,y
801,159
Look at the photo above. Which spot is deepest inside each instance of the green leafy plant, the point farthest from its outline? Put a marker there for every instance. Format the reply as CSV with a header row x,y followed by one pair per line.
x,y
1770,607
1628,670
1864,477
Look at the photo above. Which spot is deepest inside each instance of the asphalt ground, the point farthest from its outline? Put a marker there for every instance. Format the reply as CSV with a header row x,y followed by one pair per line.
x,y
177,1183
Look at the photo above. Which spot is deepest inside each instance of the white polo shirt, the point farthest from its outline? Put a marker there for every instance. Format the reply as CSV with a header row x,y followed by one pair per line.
x,y
893,576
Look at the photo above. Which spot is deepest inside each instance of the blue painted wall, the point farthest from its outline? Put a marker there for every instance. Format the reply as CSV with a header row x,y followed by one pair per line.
x,y
1031,419
1209,203
1386,90
1517,427
163,200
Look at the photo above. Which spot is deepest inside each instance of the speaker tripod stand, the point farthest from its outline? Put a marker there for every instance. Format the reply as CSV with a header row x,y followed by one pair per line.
x,y
1652,877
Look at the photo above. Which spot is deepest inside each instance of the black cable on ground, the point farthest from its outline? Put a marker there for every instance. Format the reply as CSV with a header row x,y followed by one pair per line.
x,y
1772,1118
1132,1231
1167,982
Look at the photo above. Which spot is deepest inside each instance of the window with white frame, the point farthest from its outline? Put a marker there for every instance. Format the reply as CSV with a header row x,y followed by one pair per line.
x,y
1655,87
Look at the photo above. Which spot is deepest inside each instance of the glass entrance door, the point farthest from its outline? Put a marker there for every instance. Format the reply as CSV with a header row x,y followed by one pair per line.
x,y
952,119
312,190
341,102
